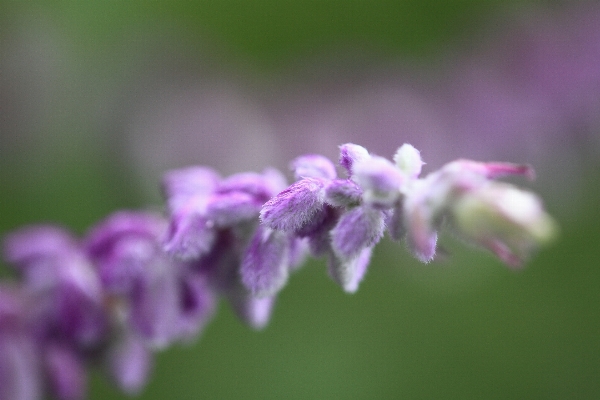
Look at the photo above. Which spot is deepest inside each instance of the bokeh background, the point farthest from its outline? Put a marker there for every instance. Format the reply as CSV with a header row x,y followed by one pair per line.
x,y
98,98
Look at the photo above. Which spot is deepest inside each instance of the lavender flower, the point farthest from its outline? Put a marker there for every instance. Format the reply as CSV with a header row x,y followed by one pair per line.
x,y
139,282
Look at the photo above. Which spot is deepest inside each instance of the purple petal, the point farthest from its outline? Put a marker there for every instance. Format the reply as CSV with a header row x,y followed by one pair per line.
x,y
298,250
490,170
276,181
189,236
70,298
179,185
358,228
350,154
66,372
101,238
19,359
295,207
125,264
255,312
226,210
129,362
20,377
265,266
221,265
260,186
122,246
379,179
155,304
27,244
421,235
319,239
313,166
197,305
80,317
395,221
349,273
342,193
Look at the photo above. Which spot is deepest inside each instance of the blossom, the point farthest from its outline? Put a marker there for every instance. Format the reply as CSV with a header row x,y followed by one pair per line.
x,y
61,318
214,227
157,295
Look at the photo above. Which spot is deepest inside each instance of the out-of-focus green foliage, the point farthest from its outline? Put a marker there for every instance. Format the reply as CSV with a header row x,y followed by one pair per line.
x,y
411,331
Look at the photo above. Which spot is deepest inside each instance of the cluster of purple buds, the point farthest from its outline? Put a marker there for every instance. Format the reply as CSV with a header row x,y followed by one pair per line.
x,y
345,218
109,300
139,282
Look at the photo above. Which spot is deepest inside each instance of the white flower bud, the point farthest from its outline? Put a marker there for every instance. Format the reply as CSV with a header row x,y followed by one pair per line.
x,y
508,221
408,160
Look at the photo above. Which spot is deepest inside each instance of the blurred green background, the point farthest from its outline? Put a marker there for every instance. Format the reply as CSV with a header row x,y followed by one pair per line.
x,y
465,327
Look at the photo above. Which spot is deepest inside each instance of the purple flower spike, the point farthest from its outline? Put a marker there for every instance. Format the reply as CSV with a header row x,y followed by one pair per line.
x,y
351,154
313,166
66,372
349,273
358,228
380,181
295,207
343,193
265,266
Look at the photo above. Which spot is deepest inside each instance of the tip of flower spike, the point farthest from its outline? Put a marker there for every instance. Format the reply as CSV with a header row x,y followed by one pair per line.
x,y
508,221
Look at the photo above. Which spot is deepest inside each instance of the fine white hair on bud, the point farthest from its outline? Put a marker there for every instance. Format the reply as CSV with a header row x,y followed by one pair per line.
x,y
408,160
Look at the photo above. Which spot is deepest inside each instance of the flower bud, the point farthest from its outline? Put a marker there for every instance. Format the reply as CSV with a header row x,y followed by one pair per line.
x,y
508,221
408,160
